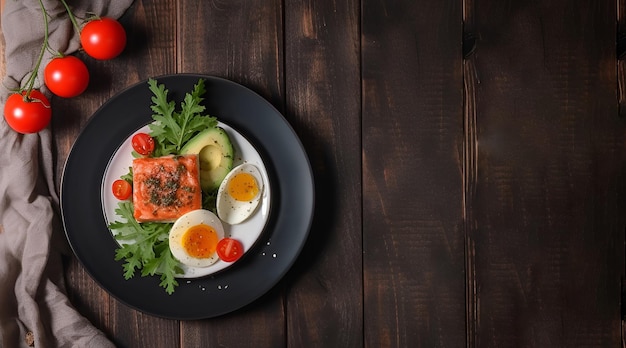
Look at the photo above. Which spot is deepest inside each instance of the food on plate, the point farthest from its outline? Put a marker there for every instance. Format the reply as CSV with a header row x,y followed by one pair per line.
x,y
182,175
122,189
239,194
144,248
194,238
144,244
143,144
173,128
215,152
229,249
165,188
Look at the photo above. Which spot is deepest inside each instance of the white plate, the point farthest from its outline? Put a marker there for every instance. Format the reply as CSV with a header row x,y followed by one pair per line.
x,y
246,232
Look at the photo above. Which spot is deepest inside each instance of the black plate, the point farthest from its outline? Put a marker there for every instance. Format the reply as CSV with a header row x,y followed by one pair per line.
x,y
259,270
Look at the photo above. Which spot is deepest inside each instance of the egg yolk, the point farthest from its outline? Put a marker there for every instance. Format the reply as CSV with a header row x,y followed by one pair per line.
x,y
243,187
200,241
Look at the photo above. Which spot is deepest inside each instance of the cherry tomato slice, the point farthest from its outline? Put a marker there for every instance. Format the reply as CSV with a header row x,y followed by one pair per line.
x,y
229,249
122,189
143,144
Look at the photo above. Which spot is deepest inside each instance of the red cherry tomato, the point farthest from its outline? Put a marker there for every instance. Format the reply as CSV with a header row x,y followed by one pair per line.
x,y
229,250
103,38
143,144
122,189
27,115
66,76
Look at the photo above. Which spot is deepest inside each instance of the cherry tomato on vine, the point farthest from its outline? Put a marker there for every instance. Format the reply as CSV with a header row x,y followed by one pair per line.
x,y
122,189
143,144
66,76
103,38
27,114
229,249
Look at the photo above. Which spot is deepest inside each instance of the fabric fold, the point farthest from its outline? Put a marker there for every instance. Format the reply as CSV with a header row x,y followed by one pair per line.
x,y
34,307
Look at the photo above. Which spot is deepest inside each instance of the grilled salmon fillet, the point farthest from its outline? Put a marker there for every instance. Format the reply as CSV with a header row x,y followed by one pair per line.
x,y
165,188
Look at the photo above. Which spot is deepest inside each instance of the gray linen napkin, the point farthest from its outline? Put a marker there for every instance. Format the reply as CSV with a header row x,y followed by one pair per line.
x,y
33,305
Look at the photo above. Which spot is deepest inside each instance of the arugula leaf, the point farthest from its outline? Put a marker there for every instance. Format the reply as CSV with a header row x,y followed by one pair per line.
x,y
128,177
170,267
172,129
148,251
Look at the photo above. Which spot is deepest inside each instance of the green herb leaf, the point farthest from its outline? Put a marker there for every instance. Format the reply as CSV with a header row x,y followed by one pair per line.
x,y
172,129
148,250
170,268
133,261
128,177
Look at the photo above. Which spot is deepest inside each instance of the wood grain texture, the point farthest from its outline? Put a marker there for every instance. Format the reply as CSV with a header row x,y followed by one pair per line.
x,y
473,202
621,56
238,40
546,208
413,191
322,68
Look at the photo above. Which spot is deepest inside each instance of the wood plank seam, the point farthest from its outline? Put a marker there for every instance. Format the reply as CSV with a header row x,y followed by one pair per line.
x,y
621,55
470,171
469,184
621,107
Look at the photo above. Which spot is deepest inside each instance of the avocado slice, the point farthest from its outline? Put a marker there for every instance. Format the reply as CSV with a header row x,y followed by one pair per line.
x,y
215,154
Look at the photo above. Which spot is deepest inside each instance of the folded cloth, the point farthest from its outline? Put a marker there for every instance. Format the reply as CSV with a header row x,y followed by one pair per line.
x,y
34,308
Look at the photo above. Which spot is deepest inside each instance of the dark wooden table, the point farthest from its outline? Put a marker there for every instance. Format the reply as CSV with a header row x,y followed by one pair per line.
x,y
469,161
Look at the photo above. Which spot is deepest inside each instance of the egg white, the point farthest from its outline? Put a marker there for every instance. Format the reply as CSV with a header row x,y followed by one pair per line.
x,y
183,224
230,210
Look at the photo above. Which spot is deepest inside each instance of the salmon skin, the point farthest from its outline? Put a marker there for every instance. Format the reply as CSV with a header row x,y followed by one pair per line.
x,y
165,188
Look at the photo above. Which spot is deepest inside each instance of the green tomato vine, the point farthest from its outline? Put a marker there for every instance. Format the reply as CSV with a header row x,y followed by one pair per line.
x,y
30,83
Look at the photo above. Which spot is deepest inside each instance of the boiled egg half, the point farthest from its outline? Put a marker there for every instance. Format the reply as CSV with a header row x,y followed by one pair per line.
x,y
239,194
194,236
